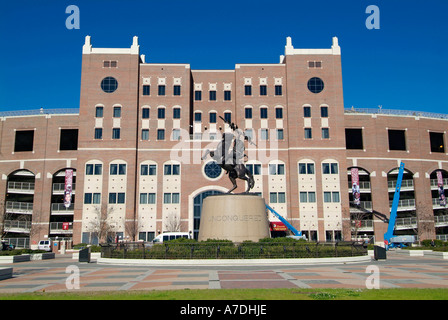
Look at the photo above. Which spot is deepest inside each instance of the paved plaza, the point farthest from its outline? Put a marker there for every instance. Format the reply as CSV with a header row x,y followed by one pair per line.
x,y
398,271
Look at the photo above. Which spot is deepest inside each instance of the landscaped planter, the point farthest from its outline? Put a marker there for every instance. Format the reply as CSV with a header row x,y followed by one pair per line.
x,y
15,259
42,256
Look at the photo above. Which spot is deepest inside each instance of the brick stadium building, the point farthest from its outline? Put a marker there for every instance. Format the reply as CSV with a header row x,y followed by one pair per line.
x,y
133,152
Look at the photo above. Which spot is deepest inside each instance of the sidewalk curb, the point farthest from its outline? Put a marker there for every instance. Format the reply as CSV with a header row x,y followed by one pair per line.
x,y
234,262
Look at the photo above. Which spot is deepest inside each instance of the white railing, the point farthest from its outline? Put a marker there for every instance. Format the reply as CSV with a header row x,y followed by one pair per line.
x,y
406,223
405,203
59,208
435,182
363,205
443,237
396,112
21,186
441,220
19,207
363,185
408,183
58,227
17,225
35,112
363,225
60,187
436,203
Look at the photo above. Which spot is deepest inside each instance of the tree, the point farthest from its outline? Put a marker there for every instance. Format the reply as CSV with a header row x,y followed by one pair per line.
x,y
172,223
102,225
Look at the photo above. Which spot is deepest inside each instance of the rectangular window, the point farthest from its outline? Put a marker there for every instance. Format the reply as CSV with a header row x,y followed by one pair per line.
x,y
96,198
397,140
279,113
176,113
325,133
327,197
24,141
176,135
437,142
145,113
151,198
353,139
145,134
89,169
117,112
276,169
98,169
248,113
249,133
278,90
113,169
152,170
68,139
280,135
307,112
143,198
121,198
212,117
212,95
335,196
263,113
303,197
306,168
112,198
99,112
263,90
176,90
227,95
98,133
308,133
87,198
175,198
247,90
146,90
144,170
312,197
273,197
167,198
198,95
116,133
161,91
161,113
264,134
281,197
228,117
197,116
324,112
160,134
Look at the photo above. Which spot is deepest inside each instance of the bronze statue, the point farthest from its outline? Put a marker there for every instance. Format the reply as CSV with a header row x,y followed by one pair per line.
x,y
229,155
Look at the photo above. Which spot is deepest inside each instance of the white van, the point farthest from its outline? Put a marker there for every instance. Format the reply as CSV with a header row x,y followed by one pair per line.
x,y
171,236
44,245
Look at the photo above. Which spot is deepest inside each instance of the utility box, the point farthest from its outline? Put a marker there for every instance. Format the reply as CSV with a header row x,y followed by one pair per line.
x,y
84,255
379,253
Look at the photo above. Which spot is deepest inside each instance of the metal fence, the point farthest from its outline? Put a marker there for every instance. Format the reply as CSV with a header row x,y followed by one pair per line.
x,y
225,250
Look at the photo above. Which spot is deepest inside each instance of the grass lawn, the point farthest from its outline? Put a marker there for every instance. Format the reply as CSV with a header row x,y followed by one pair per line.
x,y
239,294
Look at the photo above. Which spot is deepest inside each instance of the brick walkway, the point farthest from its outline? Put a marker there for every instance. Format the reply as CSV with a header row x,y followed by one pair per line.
x,y
398,271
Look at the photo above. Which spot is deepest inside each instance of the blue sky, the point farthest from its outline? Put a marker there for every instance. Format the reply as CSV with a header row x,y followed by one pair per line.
x,y
402,65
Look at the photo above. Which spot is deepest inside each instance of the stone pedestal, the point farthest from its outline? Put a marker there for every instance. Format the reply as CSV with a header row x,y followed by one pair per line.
x,y
235,217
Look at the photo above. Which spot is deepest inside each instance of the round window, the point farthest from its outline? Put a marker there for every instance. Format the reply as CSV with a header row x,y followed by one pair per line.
x,y
315,85
109,84
212,170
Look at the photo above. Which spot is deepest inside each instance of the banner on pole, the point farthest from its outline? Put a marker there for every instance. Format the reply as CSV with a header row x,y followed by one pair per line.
x,y
355,186
68,188
442,198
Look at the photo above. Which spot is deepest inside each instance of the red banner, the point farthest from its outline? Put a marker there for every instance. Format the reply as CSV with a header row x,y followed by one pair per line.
x,y
355,186
68,188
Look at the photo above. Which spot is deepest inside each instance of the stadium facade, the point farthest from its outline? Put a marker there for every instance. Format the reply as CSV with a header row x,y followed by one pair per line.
x,y
127,163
